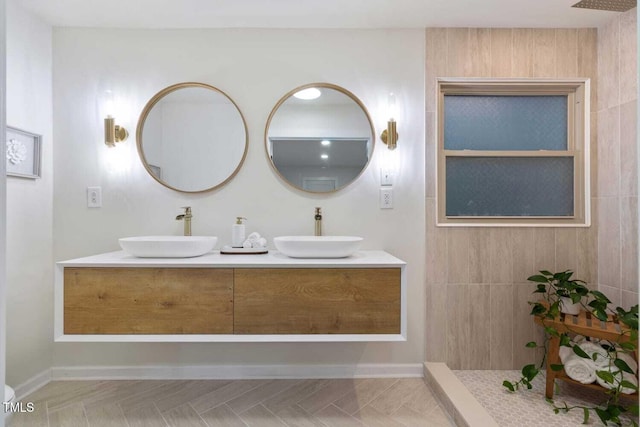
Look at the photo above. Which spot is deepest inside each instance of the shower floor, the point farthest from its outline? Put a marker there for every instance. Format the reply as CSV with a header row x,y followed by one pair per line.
x,y
528,408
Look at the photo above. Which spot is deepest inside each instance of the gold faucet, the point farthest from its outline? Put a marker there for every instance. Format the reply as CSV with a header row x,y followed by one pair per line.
x,y
186,216
318,219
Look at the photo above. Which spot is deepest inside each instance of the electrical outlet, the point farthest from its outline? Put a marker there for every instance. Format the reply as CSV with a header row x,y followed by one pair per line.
x,y
386,198
94,197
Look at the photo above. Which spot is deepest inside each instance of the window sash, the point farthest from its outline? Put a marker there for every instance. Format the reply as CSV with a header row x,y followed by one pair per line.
x,y
575,92
527,217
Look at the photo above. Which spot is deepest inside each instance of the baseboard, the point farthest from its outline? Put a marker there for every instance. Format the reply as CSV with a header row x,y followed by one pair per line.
x,y
236,371
460,404
32,384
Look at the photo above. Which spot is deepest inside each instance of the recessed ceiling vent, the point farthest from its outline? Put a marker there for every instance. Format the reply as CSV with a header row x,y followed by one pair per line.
x,y
610,5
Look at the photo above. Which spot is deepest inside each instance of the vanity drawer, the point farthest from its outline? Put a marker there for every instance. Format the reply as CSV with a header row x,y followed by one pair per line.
x,y
317,301
148,301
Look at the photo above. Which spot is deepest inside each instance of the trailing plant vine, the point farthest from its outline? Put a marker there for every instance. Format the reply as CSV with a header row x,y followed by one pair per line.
x,y
552,288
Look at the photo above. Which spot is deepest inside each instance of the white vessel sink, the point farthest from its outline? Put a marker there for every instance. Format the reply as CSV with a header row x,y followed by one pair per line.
x,y
167,246
317,246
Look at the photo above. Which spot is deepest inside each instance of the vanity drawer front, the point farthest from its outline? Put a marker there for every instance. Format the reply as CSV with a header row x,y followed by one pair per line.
x,y
148,301
317,301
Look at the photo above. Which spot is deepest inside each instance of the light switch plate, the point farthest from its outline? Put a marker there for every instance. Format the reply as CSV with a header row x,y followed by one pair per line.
x,y
386,177
94,197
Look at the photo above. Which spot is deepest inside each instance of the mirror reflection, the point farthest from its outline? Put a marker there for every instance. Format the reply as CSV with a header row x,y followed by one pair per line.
x,y
319,137
192,137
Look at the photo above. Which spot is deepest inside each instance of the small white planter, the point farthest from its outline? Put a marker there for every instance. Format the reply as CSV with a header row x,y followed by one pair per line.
x,y
568,307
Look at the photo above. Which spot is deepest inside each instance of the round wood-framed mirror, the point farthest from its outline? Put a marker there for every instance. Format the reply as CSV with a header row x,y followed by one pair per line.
x,y
192,137
319,138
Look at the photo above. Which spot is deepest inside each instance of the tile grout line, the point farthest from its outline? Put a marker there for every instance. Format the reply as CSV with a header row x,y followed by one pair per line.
x,y
293,385
313,417
117,402
236,414
326,406
123,414
166,423
275,415
377,395
75,400
443,411
249,408
491,349
260,401
433,397
196,412
231,398
617,105
266,381
349,416
84,412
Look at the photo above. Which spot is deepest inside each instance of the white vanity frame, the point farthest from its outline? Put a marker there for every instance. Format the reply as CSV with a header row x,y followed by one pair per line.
x,y
361,259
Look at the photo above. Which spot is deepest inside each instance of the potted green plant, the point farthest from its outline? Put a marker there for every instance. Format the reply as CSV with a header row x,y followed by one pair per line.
x,y
561,289
612,371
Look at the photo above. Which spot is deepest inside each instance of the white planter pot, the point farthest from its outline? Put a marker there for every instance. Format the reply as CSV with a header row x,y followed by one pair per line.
x,y
568,307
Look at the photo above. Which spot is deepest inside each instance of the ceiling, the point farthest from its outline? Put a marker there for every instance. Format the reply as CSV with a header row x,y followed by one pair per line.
x,y
314,13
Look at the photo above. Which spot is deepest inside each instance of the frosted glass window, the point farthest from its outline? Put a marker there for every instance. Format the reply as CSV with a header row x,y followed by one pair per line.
x,y
513,152
479,122
509,186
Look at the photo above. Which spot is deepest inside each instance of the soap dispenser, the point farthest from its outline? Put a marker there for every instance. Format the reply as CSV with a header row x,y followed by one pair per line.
x,y
237,232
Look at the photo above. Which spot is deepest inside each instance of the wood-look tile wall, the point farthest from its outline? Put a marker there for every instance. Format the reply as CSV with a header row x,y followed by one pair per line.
x,y
477,292
617,159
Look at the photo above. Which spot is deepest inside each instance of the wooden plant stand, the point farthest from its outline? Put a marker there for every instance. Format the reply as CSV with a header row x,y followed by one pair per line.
x,y
589,326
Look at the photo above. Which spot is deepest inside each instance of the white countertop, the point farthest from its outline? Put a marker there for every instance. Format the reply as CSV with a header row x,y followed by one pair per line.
x,y
273,259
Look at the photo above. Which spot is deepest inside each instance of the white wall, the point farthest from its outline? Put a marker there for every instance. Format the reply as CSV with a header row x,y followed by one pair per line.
x,y
3,204
29,202
255,68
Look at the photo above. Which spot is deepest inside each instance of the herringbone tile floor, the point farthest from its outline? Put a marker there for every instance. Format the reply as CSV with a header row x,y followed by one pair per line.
x,y
385,402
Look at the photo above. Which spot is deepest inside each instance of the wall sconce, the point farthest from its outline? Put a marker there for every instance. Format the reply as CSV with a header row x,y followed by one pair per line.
x,y
389,135
112,132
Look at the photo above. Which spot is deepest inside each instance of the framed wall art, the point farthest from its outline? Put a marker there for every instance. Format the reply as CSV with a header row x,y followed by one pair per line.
x,y
24,152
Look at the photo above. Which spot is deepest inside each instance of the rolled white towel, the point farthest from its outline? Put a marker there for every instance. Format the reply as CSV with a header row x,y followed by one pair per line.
x,y
602,357
616,380
254,237
565,353
255,241
580,369
259,243
578,339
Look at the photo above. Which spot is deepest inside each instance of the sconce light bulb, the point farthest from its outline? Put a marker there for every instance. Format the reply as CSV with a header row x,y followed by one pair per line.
x,y
391,101
108,103
325,142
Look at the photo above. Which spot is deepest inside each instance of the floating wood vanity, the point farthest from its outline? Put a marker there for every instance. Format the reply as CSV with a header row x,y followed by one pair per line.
x,y
115,297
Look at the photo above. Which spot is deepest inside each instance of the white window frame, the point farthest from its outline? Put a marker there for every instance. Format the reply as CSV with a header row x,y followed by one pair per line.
x,y
578,143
